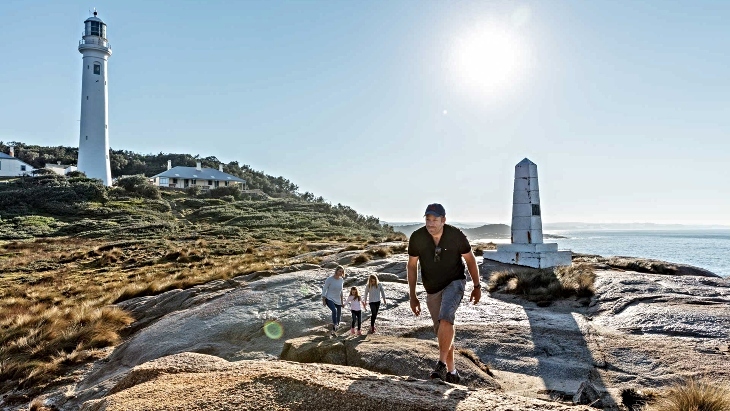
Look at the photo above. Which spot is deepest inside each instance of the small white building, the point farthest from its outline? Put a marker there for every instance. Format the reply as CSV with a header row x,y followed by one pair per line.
x,y
60,169
205,178
11,166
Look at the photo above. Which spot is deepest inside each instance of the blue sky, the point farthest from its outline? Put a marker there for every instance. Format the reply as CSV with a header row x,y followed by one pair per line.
x,y
387,106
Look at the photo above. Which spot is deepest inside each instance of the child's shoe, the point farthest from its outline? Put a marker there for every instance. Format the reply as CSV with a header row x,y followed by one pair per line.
x,y
352,331
359,332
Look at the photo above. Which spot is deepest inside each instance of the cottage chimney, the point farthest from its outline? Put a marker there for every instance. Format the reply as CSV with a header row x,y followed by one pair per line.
x,y
220,167
198,166
59,162
169,164
12,151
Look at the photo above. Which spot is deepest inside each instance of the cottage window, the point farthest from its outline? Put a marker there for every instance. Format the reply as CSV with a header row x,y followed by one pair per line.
x,y
164,181
22,168
210,182
174,181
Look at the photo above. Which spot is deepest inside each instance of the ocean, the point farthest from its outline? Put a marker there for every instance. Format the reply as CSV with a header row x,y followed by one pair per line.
x,y
708,249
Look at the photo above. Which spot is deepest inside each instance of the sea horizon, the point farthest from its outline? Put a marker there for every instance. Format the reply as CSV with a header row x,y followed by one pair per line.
x,y
703,248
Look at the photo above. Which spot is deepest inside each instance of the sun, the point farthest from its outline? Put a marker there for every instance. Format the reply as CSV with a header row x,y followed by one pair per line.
x,y
489,60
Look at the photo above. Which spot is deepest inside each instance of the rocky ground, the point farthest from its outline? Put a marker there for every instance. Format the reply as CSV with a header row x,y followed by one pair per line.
x,y
260,342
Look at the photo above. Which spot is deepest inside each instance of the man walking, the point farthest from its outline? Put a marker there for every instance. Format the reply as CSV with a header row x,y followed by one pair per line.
x,y
439,248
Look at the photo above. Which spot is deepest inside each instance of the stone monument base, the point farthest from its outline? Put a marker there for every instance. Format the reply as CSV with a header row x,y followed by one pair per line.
x,y
543,255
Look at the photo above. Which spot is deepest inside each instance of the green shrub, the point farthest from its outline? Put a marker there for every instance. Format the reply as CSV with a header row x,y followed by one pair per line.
x,y
89,190
193,191
220,192
140,186
194,202
74,174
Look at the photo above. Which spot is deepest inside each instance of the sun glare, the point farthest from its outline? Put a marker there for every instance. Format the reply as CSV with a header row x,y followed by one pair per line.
x,y
489,60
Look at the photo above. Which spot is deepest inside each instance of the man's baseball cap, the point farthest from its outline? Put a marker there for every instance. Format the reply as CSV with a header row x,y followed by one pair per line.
x,y
436,210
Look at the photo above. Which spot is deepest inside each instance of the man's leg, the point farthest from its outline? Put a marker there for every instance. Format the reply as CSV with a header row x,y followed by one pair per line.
x,y
446,335
450,300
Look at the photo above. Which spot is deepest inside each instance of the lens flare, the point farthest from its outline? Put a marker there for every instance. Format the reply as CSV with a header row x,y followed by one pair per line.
x,y
273,329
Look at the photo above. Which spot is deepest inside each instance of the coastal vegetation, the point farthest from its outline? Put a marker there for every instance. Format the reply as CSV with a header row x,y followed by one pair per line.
x,y
692,394
70,248
545,285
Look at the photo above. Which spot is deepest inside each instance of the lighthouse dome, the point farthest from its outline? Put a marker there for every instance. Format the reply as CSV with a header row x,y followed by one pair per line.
x,y
94,26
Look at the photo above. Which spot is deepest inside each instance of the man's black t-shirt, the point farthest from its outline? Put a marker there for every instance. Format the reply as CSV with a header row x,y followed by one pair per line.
x,y
437,275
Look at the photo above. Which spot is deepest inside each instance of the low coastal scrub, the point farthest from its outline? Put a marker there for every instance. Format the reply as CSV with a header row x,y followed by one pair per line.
x,y
56,294
693,394
544,285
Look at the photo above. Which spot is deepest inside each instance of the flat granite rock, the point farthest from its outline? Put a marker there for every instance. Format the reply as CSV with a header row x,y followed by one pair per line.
x,y
640,330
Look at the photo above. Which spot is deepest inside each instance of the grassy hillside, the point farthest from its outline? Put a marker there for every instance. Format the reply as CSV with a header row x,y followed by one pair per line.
x,y
69,248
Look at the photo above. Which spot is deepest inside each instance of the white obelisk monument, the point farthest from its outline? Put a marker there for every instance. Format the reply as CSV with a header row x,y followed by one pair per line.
x,y
94,133
527,248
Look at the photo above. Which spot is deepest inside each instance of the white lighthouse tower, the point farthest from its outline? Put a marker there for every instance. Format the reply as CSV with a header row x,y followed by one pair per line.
x,y
94,133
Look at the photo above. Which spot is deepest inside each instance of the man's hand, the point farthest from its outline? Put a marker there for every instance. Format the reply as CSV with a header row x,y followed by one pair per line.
x,y
324,301
476,295
415,306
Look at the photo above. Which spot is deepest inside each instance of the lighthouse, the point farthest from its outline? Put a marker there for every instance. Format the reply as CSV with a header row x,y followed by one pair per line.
x,y
94,129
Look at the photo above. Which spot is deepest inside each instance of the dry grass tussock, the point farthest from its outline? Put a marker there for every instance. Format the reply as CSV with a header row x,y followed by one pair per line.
x,y
545,284
479,248
37,343
55,295
693,394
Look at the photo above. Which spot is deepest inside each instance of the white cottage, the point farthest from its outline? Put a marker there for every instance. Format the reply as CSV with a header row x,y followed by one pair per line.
x,y
205,178
61,169
11,166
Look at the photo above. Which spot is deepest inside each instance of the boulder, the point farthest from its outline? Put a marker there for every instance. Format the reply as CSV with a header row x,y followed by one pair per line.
x,y
588,394
386,355
194,382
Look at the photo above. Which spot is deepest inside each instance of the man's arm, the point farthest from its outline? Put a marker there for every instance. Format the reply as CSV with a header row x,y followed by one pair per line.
x,y
471,265
412,271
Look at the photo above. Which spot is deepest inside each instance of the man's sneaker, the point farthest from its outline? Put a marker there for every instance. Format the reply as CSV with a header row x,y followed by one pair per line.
x,y
454,378
440,371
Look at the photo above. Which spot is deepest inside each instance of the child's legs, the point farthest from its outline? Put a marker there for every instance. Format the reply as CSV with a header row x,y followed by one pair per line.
x,y
357,315
374,307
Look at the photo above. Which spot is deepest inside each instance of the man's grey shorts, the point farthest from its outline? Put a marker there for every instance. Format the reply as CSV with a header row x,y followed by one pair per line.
x,y
443,304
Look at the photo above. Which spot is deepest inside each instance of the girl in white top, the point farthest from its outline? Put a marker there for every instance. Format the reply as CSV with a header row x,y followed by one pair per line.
x,y
332,295
353,300
373,293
